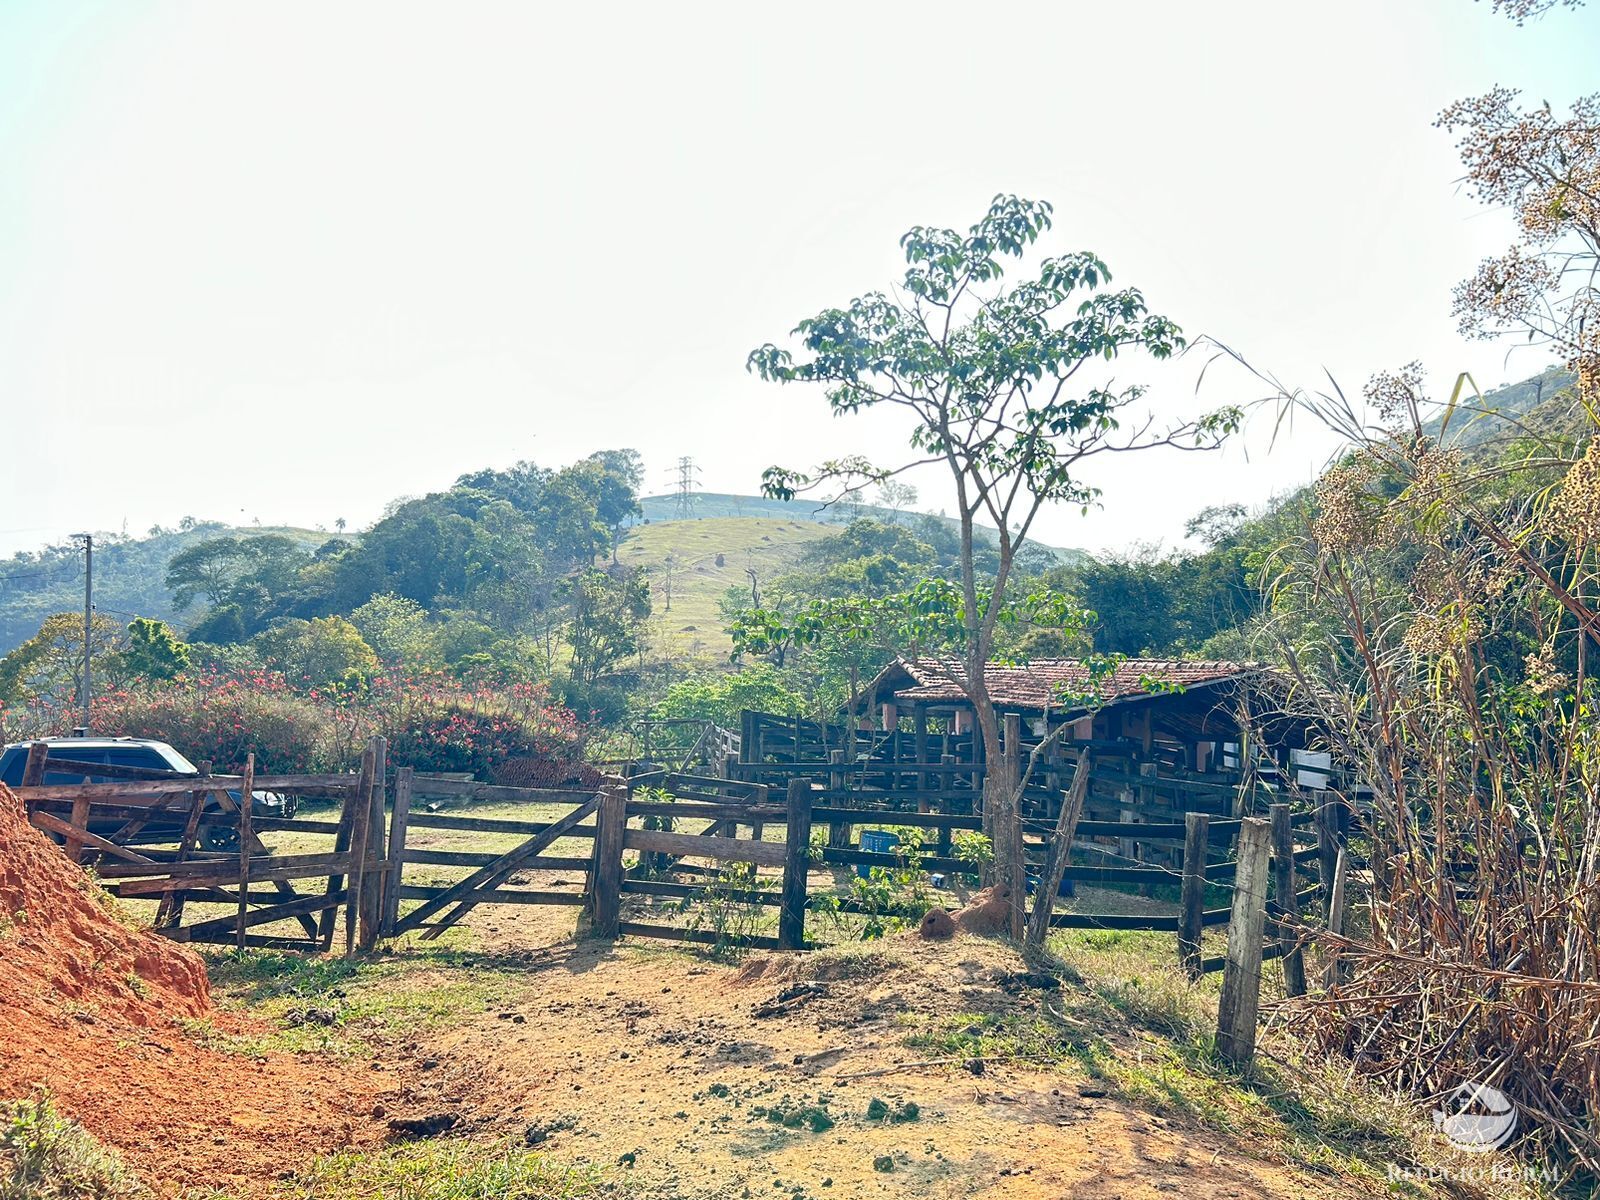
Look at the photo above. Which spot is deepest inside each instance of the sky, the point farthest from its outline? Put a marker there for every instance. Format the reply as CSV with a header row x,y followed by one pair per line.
x,y
287,262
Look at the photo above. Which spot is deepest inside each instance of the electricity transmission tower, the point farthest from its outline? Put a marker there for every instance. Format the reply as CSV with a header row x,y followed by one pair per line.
x,y
687,481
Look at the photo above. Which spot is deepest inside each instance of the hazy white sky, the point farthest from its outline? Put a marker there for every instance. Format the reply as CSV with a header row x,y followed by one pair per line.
x,y
288,261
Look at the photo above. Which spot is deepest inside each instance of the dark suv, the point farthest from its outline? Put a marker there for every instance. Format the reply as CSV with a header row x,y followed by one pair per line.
x,y
136,752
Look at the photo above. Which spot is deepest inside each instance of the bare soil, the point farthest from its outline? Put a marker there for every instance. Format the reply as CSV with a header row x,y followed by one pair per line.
x,y
98,1014
671,1067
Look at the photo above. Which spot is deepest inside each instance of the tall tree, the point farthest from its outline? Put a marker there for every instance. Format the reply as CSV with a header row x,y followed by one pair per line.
x,y
995,382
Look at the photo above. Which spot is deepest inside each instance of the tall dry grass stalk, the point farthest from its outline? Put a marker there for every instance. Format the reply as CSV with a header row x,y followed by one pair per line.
x,y
1439,617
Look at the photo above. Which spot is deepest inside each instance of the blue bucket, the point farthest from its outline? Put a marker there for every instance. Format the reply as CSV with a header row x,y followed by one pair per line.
x,y
875,841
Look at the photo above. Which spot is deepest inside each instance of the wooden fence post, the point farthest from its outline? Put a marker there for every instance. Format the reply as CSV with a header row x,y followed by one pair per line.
x,y
403,784
33,770
1241,978
370,914
1285,906
1191,918
246,842
360,805
1327,839
796,866
611,824
1335,970
947,783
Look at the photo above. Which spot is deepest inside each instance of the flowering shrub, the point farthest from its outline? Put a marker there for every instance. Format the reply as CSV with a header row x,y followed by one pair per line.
x,y
219,718
441,724
433,723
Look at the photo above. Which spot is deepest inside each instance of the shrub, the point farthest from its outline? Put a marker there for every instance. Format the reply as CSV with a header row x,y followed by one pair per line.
x,y
217,718
45,1156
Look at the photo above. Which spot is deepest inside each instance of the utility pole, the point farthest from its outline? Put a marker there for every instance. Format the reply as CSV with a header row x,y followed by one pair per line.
x,y
88,622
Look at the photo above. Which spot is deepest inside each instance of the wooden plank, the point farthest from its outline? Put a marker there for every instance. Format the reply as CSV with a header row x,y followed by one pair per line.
x,y
33,769
1285,905
796,866
154,887
482,858
65,763
1044,902
264,915
51,824
1241,981
369,913
689,845
1335,971
466,824
360,833
1191,904
170,911
460,893
410,891
398,822
214,864
247,798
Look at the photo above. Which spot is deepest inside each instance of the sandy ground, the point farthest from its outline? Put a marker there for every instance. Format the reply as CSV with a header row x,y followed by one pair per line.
x,y
665,1064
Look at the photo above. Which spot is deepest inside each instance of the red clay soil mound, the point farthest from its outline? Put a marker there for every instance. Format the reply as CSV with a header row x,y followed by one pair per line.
x,y
94,1011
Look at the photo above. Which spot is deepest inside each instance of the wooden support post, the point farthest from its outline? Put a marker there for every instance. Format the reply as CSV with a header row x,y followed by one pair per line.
x,y
80,820
947,783
838,831
403,784
919,751
1327,818
1285,908
1191,915
605,881
1147,801
360,842
1044,901
1335,972
169,912
1008,824
1241,977
370,910
796,867
247,784
33,769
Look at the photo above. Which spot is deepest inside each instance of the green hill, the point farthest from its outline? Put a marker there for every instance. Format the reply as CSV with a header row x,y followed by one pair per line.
x,y
714,505
129,576
708,556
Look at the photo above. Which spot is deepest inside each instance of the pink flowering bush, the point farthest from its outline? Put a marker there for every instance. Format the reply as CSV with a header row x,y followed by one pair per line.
x,y
433,723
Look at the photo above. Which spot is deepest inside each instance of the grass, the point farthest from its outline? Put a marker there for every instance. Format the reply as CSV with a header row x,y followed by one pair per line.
x,y
445,1169
1130,1023
340,1005
45,1156
694,627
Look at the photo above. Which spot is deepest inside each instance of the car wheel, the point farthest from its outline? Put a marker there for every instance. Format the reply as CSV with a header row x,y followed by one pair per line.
x,y
219,837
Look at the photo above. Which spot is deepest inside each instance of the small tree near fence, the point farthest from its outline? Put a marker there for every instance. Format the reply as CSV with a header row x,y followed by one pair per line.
x,y
996,381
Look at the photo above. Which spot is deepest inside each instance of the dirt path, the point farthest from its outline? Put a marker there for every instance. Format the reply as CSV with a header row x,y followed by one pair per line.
x,y
674,1068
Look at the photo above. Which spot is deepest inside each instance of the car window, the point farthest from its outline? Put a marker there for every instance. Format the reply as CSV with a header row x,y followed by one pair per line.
x,y
77,754
149,757
12,763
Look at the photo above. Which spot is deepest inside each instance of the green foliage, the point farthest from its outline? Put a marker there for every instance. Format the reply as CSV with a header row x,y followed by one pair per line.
x,y
50,664
45,1156
721,698
324,652
153,651
398,631
608,614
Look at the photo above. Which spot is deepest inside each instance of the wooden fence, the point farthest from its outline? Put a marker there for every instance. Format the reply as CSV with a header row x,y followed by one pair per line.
x,y
151,848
